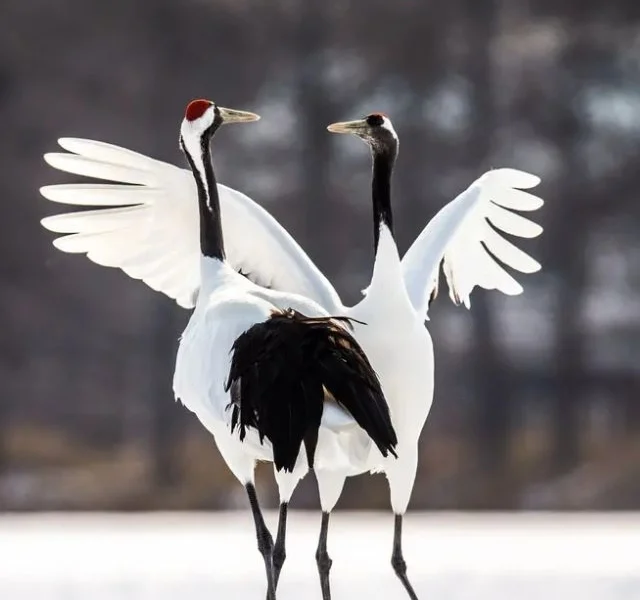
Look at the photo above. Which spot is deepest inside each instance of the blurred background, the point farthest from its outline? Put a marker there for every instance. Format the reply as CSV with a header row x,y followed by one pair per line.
x,y
536,402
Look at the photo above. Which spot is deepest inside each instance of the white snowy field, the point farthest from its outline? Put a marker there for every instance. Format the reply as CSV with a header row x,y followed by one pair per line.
x,y
202,556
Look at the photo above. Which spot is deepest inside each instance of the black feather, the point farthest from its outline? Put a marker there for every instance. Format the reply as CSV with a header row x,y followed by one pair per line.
x,y
279,372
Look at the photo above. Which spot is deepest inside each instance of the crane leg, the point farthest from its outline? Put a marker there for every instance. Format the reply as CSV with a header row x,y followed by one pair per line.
x,y
265,540
322,558
279,552
397,559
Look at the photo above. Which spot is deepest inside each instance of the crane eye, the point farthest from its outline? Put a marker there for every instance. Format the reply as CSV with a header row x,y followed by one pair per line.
x,y
375,120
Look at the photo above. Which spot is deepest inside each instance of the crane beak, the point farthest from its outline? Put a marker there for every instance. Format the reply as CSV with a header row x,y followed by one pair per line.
x,y
355,127
230,115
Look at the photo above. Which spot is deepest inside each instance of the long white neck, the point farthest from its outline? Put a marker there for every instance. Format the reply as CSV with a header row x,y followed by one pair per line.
x,y
387,280
215,274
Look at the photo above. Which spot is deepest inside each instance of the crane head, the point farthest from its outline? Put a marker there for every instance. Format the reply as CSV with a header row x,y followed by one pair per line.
x,y
204,116
375,129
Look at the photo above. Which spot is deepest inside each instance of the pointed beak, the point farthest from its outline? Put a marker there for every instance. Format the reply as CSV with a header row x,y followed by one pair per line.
x,y
354,127
230,115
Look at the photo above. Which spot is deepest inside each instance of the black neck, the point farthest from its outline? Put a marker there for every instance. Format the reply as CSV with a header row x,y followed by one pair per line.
x,y
211,240
383,161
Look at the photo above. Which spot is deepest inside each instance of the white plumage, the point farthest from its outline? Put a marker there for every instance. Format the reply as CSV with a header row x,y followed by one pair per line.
x,y
395,304
154,237
459,230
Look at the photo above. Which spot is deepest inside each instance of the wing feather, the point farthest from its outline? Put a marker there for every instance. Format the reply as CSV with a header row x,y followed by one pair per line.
x,y
465,236
512,223
150,226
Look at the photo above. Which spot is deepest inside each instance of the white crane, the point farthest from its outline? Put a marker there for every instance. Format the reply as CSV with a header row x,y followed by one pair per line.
x,y
395,305
397,300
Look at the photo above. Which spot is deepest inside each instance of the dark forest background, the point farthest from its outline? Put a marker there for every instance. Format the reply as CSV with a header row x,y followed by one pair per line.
x,y
536,402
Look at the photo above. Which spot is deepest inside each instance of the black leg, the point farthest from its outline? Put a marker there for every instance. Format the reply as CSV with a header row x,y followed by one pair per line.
x,y
265,541
397,560
322,558
279,552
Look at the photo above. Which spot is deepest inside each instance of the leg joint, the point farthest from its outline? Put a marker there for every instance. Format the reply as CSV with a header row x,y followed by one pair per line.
x,y
279,556
265,543
398,563
324,561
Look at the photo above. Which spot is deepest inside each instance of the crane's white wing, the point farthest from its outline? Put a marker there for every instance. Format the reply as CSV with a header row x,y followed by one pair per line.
x,y
147,225
466,233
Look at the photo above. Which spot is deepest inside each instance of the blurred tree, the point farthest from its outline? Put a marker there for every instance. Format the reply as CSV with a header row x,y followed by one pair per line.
x,y
317,110
569,256
166,415
550,87
491,379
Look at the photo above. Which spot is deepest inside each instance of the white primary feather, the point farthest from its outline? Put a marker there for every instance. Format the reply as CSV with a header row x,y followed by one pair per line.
x,y
153,234
460,234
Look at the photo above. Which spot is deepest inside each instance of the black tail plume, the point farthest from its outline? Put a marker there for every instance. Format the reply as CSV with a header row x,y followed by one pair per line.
x,y
281,370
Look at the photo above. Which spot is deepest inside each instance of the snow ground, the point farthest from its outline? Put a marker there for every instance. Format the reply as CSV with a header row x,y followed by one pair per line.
x,y
198,556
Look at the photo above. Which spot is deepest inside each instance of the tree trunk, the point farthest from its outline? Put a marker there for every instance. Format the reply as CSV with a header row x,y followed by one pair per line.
x,y
491,379
316,111
568,253
165,413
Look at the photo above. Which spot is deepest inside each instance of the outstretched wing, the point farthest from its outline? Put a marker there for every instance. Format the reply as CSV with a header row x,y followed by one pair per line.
x,y
465,236
147,225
